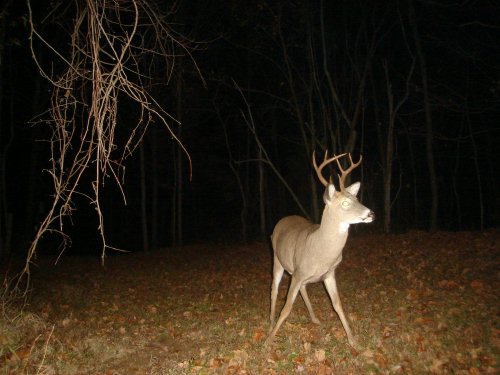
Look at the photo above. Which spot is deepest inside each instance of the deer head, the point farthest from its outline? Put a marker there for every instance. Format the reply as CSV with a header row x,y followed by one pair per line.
x,y
343,202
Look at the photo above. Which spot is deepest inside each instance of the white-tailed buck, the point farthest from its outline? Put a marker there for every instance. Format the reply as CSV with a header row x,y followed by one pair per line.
x,y
311,252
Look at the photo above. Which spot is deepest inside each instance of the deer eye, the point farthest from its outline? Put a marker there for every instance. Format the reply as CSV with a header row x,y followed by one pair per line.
x,y
345,204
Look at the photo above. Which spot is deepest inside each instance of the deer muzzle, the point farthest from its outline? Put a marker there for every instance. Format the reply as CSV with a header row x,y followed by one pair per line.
x,y
370,216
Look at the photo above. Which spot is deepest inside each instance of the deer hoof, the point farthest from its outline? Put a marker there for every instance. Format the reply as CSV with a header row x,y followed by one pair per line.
x,y
354,344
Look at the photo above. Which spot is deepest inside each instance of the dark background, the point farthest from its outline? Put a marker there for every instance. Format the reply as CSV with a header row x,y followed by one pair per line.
x,y
273,51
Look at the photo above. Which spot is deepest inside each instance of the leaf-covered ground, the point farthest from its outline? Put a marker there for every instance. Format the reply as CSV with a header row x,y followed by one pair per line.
x,y
418,303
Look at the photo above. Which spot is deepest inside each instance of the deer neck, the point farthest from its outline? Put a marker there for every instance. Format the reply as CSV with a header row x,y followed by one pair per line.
x,y
332,227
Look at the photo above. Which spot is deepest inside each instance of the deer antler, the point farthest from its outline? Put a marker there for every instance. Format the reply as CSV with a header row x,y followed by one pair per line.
x,y
325,162
347,171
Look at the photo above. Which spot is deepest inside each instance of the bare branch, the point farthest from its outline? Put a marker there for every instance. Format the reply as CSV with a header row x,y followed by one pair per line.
x,y
102,69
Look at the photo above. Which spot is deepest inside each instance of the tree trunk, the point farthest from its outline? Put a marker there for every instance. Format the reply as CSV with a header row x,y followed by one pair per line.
x,y
33,210
144,211
413,163
389,152
236,173
179,175
262,198
179,195
7,217
3,193
154,190
480,201
455,174
429,134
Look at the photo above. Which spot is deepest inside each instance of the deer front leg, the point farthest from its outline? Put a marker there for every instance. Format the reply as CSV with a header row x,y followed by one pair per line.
x,y
277,275
331,287
305,297
290,299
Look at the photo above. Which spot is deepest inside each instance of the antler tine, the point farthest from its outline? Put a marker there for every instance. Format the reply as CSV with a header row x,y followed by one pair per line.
x,y
325,162
345,172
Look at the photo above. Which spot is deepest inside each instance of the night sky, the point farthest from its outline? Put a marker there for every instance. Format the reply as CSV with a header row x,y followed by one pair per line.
x,y
264,84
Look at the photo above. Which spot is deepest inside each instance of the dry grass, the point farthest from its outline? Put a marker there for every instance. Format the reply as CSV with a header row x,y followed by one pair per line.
x,y
419,303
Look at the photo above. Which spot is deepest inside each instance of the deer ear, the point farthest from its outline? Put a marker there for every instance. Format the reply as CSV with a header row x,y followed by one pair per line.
x,y
329,193
354,188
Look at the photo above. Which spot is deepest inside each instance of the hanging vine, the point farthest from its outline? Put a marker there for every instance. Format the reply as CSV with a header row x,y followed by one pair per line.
x,y
110,41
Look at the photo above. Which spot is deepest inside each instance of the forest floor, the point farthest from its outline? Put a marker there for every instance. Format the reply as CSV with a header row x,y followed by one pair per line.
x,y
418,303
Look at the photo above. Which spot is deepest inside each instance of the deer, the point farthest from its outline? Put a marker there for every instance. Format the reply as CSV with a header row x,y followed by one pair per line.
x,y
311,252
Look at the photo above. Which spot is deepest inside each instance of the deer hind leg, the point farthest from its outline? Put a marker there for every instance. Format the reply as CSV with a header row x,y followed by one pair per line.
x,y
305,297
290,299
331,287
277,275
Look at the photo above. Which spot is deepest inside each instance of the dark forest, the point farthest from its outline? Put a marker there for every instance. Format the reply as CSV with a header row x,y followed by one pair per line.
x,y
250,90
195,146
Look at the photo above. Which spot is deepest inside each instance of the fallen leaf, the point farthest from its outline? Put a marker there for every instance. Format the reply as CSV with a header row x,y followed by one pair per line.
x,y
386,332
338,334
477,285
258,335
367,353
397,368
319,355
307,347
216,362
448,284
454,311
423,320
411,294
420,344
20,355
66,322
239,359
474,352
46,370
436,366
299,359
353,351
353,317
380,359
276,356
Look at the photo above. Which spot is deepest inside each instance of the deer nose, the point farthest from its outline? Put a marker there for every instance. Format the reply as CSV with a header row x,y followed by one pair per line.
x,y
370,216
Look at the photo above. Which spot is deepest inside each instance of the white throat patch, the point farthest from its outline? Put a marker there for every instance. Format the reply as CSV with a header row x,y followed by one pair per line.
x,y
343,227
